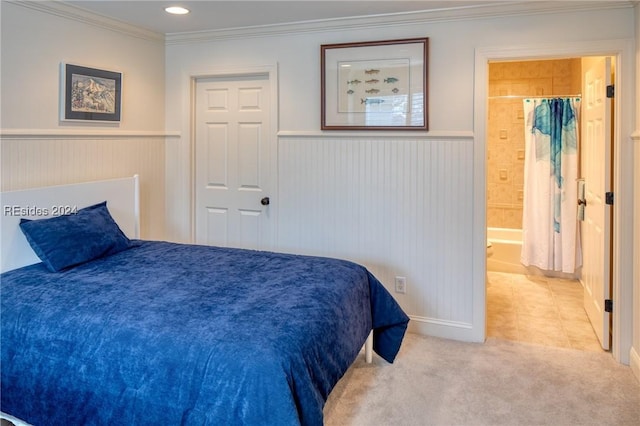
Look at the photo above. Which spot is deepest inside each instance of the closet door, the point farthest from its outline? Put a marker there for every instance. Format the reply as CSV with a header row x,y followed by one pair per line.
x,y
232,162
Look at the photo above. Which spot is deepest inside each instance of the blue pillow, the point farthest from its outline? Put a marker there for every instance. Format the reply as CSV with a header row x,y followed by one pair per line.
x,y
65,241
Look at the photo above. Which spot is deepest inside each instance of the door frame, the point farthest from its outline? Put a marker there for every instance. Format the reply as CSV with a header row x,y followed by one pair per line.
x,y
623,54
271,72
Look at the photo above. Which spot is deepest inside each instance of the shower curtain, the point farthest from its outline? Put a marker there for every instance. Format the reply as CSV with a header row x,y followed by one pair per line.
x,y
550,238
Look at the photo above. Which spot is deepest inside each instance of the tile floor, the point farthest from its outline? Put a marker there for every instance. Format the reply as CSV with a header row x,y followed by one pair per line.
x,y
541,310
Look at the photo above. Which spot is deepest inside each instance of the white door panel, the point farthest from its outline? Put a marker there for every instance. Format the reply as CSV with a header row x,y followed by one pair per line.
x,y
232,161
596,170
216,227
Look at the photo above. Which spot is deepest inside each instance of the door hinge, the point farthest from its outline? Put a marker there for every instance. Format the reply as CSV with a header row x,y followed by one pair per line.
x,y
611,90
608,305
608,198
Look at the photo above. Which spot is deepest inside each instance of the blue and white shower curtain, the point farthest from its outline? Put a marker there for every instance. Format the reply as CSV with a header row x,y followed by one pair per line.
x,y
550,238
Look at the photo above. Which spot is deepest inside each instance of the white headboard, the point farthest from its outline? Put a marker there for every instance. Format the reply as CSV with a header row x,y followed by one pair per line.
x,y
123,202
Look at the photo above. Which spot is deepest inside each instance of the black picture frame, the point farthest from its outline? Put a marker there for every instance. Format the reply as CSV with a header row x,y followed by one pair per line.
x,y
90,94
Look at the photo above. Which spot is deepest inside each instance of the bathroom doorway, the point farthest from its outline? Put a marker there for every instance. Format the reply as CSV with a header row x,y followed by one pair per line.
x,y
527,304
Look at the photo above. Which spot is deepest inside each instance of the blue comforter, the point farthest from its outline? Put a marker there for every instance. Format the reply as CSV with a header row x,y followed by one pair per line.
x,y
175,334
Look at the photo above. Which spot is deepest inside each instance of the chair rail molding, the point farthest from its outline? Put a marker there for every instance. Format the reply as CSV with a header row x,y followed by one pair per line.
x,y
84,134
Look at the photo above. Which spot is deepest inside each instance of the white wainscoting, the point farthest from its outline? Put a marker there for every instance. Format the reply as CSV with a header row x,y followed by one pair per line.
x,y
32,159
401,206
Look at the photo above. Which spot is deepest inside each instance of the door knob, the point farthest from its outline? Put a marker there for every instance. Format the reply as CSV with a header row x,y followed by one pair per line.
x,y
265,201
580,202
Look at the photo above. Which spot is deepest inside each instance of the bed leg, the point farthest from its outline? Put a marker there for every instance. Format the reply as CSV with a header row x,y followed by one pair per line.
x,y
368,349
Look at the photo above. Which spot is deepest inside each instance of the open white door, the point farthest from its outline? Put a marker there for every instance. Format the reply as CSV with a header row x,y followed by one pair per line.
x,y
596,170
232,162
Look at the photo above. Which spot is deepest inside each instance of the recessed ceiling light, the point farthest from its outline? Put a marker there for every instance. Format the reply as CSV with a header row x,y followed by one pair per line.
x,y
176,10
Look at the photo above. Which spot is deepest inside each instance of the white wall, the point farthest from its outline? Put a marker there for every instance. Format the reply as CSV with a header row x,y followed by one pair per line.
x,y
635,350
401,205
38,149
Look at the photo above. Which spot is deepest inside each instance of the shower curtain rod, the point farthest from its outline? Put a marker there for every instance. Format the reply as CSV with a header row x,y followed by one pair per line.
x,y
534,97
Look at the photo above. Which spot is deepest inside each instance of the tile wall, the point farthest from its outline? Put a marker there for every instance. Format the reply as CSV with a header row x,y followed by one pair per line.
x,y
509,83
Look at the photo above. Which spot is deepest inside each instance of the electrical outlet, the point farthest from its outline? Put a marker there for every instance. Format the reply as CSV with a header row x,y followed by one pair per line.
x,y
401,285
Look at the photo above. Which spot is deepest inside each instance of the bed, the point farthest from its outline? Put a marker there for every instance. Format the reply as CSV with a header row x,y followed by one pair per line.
x,y
153,332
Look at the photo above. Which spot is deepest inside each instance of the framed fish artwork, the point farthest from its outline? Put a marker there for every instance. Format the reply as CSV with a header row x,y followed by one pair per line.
x,y
375,85
89,94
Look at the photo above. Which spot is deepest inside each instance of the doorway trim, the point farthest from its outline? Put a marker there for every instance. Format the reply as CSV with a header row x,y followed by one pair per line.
x,y
622,51
271,71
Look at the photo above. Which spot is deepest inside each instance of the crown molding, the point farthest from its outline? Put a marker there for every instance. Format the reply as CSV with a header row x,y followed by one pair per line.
x,y
62,10
497,9
494,10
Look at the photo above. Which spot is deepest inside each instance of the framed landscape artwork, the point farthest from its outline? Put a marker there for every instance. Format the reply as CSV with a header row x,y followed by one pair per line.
x,y
90,94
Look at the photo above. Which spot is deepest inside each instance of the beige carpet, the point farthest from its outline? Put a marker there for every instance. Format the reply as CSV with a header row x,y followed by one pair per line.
x,y
442,382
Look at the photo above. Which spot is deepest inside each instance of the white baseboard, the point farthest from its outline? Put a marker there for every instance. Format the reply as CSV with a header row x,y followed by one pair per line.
x,y
454,330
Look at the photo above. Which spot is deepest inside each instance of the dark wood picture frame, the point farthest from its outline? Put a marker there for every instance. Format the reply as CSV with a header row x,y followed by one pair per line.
x,y
375,85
